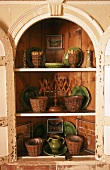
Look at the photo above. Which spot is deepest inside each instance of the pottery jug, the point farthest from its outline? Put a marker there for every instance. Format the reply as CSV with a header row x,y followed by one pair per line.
x,y
55,143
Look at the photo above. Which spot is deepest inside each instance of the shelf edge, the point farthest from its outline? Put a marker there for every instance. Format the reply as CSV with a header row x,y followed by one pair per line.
x,y
53,69
55,114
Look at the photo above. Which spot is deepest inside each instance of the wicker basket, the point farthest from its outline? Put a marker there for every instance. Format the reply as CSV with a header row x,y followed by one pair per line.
x,y
39,104
34,146
74,144
73,103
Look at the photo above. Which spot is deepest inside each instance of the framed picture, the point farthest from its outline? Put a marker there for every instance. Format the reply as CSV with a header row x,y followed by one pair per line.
x,y
54,41
55,125
86,129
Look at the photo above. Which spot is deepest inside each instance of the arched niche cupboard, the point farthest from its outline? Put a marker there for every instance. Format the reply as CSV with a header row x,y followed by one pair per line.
x,y
92,122
72,35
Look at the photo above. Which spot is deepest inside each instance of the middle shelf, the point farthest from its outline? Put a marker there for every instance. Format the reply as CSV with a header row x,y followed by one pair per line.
x,y
53,69
56,114
67,83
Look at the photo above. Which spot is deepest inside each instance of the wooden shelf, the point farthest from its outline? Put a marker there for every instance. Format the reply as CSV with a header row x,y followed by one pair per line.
x,y
86,154
56,114
53,69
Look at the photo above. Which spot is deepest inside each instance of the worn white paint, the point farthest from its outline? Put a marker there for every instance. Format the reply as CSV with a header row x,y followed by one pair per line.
x,y
3,141
107,91
3,103
102,114
7,123
107,140
2,51
107,50
71,13
55,7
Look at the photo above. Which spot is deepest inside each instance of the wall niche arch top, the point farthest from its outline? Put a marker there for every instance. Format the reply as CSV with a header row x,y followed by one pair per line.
x,y
42,12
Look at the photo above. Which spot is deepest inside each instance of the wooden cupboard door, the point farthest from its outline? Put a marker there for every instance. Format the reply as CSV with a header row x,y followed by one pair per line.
x,y
7,101
103,99
3,116
3,107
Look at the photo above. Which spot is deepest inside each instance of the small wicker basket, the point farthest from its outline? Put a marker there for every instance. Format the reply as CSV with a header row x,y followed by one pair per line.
x,y
39,104
34,146
37,58
73,103
74,144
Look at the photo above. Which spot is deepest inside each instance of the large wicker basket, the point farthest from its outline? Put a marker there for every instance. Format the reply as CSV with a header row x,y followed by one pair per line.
x,y
74,144
39,104
73,103
34,146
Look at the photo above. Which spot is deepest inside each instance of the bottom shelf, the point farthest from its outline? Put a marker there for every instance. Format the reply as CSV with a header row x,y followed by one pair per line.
x,y
66,155
69,138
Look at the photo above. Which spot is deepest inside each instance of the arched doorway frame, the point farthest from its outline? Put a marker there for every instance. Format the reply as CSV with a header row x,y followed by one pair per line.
x,y
70,13
7,115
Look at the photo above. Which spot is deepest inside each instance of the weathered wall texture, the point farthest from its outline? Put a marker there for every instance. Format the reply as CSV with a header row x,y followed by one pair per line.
x,y
11,11
57,165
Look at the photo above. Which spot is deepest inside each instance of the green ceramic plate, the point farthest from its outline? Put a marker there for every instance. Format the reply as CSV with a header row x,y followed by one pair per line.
x,y
53,65
47,150
81,90
40,130
69,129
28,92
65,58
29,57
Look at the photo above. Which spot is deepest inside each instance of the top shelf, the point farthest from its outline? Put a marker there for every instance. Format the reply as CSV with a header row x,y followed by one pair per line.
x,y
53,69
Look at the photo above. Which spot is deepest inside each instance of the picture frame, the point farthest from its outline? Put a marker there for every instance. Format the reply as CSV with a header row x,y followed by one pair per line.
x,y
86,129
55,125
54,41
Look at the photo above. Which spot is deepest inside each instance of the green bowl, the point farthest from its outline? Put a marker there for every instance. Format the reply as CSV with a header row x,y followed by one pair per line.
x,y
53,65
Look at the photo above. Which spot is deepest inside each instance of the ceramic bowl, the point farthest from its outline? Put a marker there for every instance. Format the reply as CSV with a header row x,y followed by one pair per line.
x,y
53,65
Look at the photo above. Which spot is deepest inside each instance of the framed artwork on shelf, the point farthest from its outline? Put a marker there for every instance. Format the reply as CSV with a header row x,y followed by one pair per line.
x,y
54,41
55,125
86,129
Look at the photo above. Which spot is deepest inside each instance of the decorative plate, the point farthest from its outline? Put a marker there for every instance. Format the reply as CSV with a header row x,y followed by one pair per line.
x,y
29,57
65,58
40,130
68,129
81,90
47,150
28,92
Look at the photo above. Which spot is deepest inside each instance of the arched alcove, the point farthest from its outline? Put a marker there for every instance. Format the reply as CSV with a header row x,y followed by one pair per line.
x,y
23,41
40,13
70,13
